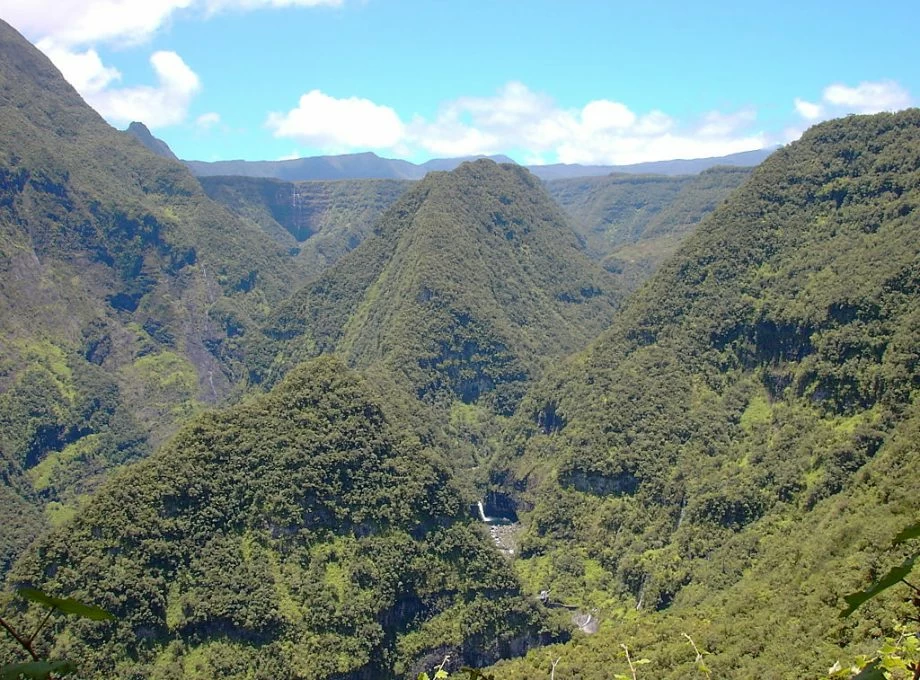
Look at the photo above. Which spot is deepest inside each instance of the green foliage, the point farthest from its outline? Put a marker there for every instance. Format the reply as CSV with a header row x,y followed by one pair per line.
x,y
67,605
894,576
38,669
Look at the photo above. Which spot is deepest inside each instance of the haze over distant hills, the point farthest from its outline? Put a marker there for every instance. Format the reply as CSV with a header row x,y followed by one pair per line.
x,y
371,166
678,166
347,166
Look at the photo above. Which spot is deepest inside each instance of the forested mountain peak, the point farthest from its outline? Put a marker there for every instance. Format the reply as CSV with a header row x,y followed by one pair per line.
x,y
302,534
471,282
31,82
142,134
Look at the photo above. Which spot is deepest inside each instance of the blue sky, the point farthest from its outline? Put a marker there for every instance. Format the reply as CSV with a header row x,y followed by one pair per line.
x,y
542,81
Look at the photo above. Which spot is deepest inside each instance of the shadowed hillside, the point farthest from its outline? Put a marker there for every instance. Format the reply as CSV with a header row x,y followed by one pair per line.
x,y
633,223
318,222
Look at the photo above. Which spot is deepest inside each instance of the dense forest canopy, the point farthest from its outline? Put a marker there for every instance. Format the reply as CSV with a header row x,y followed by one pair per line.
x,y
300,534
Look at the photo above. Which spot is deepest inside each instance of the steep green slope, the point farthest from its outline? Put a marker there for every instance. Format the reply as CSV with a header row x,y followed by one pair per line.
x,y
633,223
319,221
123,289
301,534
470,285
738,448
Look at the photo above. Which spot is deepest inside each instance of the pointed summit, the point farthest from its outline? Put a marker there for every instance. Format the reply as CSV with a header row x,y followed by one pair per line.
x,y
471,284
141,133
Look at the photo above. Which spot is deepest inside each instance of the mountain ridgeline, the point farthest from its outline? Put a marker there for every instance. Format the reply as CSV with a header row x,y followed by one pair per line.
x,y
470,285
366,165
371,166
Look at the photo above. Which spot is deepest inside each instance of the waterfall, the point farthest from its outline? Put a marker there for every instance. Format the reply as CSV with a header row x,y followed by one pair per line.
x,y
482,513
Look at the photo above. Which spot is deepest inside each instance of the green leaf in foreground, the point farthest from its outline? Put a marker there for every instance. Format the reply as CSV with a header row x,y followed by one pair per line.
x,y
873,671
66,605
893,577
913,531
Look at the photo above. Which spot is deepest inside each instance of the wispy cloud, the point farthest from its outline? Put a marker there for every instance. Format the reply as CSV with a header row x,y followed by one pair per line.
x,y
77,23
206,121
840,100
867,97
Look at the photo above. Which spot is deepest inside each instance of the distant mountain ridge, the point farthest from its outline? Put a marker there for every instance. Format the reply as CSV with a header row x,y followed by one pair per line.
x,y
369,165
366,165
678,166
317,220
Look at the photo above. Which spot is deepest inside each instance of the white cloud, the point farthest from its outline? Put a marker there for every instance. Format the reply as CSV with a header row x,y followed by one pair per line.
x,y
207,120
808,110
867,97
338,124
84,70
534,127
603,131
598,116
69,31
87,22
165,104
